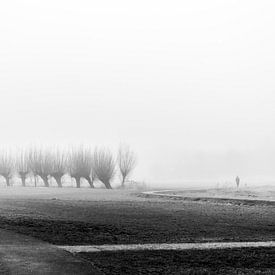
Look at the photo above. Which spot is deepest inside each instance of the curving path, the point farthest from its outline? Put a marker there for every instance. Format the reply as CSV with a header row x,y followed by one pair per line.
x,y
214,199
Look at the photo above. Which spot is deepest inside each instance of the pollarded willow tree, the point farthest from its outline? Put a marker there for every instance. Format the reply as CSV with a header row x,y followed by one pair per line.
x,y
22,165
127,161
6,166
104,166
80,165
41,163
59,166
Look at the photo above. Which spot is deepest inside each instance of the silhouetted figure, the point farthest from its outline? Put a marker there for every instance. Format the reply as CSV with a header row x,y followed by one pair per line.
x,y
237,181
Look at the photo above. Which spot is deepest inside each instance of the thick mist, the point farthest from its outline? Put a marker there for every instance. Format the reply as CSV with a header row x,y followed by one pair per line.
x,y
188,85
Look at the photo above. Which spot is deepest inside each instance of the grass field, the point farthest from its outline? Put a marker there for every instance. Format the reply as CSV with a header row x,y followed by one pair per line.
x,y
227,261
85,216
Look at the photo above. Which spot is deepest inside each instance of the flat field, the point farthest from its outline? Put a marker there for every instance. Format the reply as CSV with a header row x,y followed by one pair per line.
x,y
70,216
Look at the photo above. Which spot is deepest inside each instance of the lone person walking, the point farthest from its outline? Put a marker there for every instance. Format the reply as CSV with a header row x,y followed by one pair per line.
x,y
237,181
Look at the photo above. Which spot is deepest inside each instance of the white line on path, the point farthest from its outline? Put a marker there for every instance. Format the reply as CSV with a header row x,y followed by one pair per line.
x,y
161,194
165,246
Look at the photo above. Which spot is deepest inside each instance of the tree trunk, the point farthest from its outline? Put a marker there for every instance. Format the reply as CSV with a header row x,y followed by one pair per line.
x,y
77,179
8,181
123,182
107,185
45,180
23,179
90,182
58,181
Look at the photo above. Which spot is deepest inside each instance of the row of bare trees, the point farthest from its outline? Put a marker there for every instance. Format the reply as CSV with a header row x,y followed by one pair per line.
x,y
80,163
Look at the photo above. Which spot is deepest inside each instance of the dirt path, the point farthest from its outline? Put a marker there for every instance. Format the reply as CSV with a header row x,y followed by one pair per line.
x,y
217,198
165,246
20,254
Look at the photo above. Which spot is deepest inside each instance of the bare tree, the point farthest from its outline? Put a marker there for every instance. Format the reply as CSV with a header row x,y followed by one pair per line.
x,y
6,166
41,163
80,164
104,166
59,166
22,166
127,161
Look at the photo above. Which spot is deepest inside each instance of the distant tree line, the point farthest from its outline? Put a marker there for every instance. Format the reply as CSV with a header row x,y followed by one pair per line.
x,y
79,162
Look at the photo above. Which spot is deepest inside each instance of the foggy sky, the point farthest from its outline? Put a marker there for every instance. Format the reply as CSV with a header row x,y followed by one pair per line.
x,y
188,84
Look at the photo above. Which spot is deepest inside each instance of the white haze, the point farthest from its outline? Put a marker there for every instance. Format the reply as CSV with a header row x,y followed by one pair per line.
x,y
188,84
